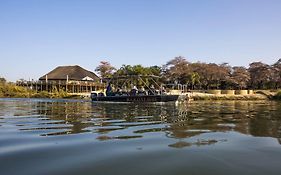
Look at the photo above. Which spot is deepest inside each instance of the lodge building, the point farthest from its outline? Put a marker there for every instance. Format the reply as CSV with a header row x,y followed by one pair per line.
x,y
73,79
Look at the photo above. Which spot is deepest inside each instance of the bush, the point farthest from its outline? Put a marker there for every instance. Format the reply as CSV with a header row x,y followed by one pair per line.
x,y
42,94
11,90
59,93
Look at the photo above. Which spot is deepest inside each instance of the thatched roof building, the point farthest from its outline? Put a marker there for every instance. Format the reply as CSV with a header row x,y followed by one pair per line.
x,y
74,73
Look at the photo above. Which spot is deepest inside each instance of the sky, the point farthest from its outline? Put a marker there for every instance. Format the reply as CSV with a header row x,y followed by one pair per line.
x,y
38,35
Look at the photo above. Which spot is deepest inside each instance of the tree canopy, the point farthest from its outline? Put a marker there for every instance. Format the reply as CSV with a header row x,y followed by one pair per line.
x,y
105,69
200,75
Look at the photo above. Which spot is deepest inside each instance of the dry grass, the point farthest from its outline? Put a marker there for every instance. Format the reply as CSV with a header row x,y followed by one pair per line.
x,y
204,96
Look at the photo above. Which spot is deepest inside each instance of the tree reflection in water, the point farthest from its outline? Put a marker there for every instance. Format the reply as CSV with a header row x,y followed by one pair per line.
x,y
131,121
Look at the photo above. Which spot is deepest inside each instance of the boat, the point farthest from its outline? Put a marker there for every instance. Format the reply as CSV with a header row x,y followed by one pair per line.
x,y
137,97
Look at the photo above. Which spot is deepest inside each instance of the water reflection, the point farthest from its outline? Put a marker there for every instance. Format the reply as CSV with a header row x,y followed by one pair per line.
x,y
184,123
254,118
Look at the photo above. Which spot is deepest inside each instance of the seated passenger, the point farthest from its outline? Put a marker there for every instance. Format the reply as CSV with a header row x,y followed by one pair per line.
x,y
152,90
163,91
124,91
142,91
134,91
93,95
101,94
118,92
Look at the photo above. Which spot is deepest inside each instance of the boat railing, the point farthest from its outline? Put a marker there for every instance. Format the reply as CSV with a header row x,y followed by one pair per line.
x,y
129,93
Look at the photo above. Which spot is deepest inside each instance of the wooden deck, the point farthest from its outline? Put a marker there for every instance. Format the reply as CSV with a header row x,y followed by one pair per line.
x,y
70,86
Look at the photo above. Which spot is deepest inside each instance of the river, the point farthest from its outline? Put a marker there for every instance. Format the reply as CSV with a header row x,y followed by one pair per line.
x,y
57,137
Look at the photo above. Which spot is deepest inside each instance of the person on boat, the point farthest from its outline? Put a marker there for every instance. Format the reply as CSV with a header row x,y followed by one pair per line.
x,y
108,91
163,90
142,91
119,92
124,91
134,90
100,94
152,90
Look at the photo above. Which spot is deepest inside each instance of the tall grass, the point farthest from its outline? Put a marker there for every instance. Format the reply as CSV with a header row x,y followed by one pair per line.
x,y
10,90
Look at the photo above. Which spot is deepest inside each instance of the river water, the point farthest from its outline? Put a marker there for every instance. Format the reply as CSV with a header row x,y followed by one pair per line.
x,y
49,137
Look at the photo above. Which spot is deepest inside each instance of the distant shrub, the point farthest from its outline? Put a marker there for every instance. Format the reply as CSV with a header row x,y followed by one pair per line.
x,y
59,93
42,94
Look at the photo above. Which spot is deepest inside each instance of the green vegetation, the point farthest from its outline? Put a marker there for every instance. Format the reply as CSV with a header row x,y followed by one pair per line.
x,y
106,71
10,90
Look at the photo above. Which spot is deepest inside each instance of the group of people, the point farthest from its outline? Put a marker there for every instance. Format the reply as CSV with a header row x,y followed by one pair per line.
x,y
110,91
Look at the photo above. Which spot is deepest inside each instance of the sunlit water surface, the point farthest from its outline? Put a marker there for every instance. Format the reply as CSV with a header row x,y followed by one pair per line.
x,y
40,137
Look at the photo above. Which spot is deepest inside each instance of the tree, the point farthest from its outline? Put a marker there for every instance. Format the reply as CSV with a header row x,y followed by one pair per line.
x,y
276,74
240,77
201,70
155,70
105,69
214,75
195,79
177,70
201,75
127,70
260,74
211,76
224,76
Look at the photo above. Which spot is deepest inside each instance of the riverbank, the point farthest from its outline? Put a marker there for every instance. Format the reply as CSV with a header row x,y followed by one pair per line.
x,y
277,96
206,96
254,95
9,90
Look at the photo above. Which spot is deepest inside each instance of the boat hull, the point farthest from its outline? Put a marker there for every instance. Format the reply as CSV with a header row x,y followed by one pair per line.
x,y
137,98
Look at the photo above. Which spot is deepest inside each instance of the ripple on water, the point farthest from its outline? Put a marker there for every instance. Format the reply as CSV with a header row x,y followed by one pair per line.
x,y
72,137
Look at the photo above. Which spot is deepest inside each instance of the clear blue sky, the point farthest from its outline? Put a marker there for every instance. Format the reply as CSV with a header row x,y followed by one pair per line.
x,y
38,35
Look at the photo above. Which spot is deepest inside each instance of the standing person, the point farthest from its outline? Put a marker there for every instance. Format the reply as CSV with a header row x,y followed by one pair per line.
x,y
108,91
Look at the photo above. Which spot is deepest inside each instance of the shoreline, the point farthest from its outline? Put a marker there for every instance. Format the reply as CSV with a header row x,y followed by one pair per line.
x,y
182,97
205,96
13,91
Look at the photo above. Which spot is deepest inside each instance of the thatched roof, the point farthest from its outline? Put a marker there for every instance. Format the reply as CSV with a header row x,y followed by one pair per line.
x,y
73,72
